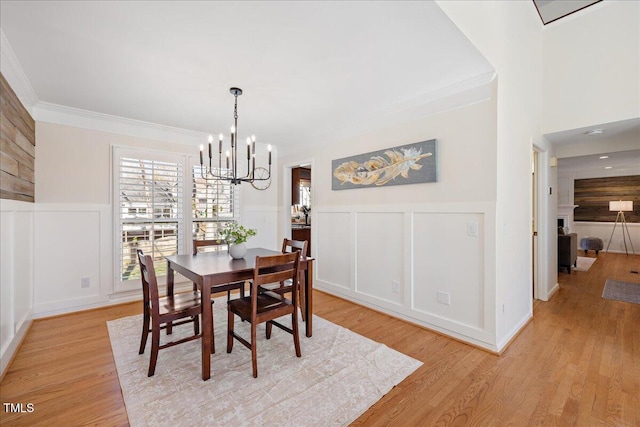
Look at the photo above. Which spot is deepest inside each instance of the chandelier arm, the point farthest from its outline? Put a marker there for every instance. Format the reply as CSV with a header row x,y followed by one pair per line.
x,y
231,172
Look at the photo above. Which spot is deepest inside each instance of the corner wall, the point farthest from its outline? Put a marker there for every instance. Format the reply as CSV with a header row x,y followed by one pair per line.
x,y
399,249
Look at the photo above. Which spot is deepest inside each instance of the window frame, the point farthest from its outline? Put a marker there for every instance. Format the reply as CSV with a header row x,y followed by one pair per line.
x,y
183,217
186,224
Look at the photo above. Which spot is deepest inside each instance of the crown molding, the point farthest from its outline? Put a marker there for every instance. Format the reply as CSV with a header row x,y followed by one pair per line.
x,y
60,114
15,76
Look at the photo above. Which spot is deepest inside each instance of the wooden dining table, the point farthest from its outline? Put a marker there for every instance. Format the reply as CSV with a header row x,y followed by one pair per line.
x,y
209,270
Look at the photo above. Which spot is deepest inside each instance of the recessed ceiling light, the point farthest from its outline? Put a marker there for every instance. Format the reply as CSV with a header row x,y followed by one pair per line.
x,y
594,132
604,157
608,167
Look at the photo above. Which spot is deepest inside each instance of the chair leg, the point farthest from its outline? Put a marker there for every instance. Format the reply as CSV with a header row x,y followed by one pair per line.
x,y
213,331
145,332
155,347
196,325
269,328
296,336
229,330
301,300
254,353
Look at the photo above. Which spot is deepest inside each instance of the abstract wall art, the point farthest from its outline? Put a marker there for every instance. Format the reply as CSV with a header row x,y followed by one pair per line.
x,y
405,164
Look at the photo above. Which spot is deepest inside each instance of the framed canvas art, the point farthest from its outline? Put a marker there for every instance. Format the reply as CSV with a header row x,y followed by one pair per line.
x,y
405,164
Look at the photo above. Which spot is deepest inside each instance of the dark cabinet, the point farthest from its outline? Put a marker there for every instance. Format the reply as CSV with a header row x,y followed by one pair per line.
x,y
302,234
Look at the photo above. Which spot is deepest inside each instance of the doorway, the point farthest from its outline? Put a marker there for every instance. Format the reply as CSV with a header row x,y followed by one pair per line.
x,y
298,203
534,223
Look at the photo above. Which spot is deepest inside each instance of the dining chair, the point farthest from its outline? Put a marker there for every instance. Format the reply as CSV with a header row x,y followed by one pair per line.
x,y
288,246
266,306
160,311
217,243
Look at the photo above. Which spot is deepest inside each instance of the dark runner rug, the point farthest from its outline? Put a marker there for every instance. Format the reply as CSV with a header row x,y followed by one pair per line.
x,y
622,291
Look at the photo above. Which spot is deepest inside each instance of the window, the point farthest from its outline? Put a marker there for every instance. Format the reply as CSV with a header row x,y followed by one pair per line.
x,y
156,202
214,204
150,199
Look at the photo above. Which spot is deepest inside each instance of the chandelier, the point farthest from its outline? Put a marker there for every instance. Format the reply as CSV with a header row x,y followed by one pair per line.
x,y
231,172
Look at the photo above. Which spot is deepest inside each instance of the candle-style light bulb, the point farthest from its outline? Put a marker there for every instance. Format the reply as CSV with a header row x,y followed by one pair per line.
x,y
269,148
253,144
210,139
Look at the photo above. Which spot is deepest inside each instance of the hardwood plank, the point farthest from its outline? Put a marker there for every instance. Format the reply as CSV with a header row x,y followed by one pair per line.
x,y
576,363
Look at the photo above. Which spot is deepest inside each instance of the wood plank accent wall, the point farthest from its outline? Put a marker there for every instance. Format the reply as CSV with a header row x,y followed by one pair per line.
x,y
593,196
17,147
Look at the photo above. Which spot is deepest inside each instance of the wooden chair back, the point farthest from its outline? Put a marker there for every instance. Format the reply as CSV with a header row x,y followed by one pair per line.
x,y
150,292
208,243
277,268
289,245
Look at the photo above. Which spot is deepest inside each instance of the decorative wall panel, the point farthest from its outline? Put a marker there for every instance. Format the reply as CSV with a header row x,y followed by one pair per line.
x,y
17,147
594,194
380,255
334,263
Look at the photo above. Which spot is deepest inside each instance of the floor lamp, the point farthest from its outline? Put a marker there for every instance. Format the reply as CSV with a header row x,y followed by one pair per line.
x,y
621,206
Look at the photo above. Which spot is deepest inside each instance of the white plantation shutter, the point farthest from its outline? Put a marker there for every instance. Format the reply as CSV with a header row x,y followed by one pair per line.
x,y
149,203
214,203
157,198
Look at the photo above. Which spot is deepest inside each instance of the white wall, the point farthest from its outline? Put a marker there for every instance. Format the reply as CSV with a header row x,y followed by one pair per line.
x,y
73,224
591,66
509,35
415,235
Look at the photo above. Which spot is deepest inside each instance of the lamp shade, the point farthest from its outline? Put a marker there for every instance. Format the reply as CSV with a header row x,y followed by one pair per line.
x,y
621,206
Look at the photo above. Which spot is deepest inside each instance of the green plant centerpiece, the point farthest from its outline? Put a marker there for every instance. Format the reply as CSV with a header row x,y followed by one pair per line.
x,y
236,236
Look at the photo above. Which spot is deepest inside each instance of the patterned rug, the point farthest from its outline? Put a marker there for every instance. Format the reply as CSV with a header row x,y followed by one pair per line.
x,y
621,291
339,376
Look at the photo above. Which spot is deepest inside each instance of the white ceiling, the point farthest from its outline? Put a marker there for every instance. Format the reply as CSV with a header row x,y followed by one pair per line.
x,y
306,68
618,141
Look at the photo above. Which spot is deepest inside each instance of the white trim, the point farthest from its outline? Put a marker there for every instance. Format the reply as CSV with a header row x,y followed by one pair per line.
x,y
16,340
15,75
60,114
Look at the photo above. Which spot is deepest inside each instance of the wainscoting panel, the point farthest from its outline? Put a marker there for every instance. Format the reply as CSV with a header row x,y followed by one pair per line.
x,y
16,275
73,245
439,258
448,268
380,255
604,231
67,250
333,240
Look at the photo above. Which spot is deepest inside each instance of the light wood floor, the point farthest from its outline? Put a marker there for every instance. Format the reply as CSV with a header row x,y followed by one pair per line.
x,y
577,363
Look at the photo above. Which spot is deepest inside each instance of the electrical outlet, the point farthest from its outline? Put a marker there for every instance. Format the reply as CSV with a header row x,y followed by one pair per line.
x,y
395,286
85,282
444,297
502,308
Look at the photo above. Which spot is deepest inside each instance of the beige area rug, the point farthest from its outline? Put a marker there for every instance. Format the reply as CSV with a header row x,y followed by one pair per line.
x,y
621,291
339,376
584,263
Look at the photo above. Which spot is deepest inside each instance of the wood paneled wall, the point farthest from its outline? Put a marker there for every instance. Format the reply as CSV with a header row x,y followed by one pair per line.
x,y
593,196
17,147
